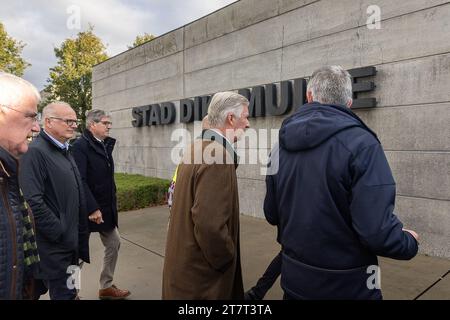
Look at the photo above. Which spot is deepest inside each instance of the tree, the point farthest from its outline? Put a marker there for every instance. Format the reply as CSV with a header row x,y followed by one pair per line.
x,y
10,54
141,39
71,79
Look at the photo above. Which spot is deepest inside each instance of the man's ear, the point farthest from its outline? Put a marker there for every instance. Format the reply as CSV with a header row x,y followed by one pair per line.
x,y
309,96
230,119
349,103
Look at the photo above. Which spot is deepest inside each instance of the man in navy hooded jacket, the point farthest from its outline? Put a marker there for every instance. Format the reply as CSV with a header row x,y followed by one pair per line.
x,y
332,198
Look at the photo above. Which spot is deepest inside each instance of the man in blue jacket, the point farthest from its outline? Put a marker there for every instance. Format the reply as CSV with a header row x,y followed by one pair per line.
x,y
18,252
332,197
53,188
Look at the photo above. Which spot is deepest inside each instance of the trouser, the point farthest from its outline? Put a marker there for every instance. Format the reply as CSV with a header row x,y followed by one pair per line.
x,y
268,278
111,242
58,289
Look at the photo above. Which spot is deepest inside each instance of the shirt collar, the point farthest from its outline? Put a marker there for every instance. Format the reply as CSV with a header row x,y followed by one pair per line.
x,y
214,135
59,144
220,133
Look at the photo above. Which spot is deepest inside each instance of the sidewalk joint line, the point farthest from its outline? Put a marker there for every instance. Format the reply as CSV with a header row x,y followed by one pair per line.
x,y
430,287
136,244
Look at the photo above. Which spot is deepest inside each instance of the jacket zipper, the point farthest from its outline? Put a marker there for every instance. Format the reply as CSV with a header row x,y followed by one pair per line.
x,y
14,238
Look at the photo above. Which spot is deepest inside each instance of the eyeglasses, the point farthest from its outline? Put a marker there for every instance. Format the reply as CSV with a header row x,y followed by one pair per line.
x,y
105,123
69,122
36,117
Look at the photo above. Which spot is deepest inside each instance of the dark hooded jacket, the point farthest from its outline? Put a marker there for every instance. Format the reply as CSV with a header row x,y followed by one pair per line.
x,y
332,197
52,186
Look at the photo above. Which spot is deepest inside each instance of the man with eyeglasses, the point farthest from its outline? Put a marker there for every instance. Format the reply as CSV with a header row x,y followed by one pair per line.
x,y
18,252
53,187
93,155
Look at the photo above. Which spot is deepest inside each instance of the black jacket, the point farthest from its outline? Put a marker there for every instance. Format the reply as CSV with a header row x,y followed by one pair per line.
x,y
96,166
332,199
52,186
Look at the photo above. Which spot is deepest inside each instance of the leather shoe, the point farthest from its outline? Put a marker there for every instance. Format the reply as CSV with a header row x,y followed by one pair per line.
x,y
113,293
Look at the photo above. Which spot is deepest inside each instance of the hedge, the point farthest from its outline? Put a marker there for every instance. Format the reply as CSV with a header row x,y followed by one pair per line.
x,y
136,191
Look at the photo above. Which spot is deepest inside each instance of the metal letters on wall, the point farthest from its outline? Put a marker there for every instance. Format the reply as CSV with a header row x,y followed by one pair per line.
x,y
263,101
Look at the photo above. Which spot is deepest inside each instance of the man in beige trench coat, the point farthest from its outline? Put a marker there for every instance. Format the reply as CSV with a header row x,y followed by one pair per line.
x,y
202,258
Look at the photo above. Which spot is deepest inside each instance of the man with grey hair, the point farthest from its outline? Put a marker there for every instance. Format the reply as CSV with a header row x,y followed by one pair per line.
x,y
228,115
93,155
202,257
18,252
332,198
52,186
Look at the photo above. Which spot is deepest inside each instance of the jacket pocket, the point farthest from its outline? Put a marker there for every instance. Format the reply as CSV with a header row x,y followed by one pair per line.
x,y
69,237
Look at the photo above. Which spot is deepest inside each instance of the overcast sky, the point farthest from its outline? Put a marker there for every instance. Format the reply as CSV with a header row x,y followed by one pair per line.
x,y
42,24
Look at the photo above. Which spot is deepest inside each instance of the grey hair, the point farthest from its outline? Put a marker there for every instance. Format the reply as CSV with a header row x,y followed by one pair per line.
x,y
222,103
11,89
331,85
49,110
95,115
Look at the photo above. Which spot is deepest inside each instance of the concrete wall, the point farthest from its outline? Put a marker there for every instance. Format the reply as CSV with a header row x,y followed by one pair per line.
x,y
254,42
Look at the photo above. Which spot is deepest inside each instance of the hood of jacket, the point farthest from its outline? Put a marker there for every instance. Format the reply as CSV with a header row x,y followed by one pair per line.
x,y
315,123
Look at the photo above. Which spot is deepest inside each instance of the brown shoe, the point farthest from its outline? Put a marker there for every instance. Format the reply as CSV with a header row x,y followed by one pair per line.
x,y
113,293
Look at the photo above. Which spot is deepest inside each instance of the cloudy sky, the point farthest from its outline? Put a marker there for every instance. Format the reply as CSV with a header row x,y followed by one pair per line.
x,y
43,24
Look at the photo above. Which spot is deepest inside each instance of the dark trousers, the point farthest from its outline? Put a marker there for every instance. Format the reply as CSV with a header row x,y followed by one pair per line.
x,y
268,278
58,289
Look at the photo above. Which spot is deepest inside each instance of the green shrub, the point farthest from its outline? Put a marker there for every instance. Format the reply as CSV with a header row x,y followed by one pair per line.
x,y
136,191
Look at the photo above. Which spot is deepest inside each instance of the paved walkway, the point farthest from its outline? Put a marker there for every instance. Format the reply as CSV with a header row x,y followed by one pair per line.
x,y
142,255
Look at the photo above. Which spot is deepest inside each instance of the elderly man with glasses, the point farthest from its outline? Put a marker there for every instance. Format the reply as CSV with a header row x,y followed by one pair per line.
x,y
93,155
53,187
18,252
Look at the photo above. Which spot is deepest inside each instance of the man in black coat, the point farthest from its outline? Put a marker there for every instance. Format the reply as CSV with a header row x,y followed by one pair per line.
x,y
18,253
93,155
331,193
52,186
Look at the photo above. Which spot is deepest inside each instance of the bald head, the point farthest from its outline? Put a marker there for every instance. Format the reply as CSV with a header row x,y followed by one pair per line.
x,y
60,121
54,108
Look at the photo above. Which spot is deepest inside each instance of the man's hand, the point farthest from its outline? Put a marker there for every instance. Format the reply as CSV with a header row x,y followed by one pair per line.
x,y
413,233
96,217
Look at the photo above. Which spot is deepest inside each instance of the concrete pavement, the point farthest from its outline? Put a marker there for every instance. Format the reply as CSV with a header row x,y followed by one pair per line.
x,y
141,260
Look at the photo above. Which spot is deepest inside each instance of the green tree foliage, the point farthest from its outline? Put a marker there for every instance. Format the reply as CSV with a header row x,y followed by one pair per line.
x,y
10,54
141,39
71,79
